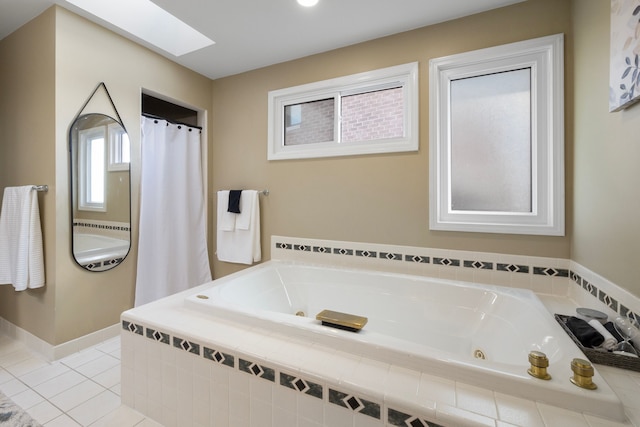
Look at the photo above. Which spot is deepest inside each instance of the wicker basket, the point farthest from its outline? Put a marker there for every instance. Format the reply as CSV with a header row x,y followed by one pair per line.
x,y
599,356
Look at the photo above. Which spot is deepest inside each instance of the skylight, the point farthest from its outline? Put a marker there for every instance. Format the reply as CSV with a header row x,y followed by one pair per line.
x,y
149,22
307,3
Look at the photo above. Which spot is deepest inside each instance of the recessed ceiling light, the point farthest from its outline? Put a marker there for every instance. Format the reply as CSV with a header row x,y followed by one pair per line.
x,y
149,22
307,3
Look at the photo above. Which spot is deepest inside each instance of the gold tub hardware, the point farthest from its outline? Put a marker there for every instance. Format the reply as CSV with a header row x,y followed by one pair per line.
x,y
582,374
202,296
539,364
340,320
479,354
300,313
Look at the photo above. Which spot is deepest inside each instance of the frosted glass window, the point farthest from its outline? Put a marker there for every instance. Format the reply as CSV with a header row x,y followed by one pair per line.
x,y
496,139
491,142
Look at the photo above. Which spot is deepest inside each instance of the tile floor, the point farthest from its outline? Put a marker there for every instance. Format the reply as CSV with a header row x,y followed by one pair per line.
x,y
82,389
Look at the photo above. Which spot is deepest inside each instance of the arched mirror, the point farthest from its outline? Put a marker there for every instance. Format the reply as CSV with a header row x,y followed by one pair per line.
x,y
100,191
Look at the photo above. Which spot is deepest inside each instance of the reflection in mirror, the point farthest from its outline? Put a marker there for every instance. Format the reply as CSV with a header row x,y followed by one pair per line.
x,y
100,191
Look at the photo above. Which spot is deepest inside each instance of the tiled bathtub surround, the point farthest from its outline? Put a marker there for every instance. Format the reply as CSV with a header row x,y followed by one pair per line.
x,y
542,275
260,379
182,382
265,378
185,368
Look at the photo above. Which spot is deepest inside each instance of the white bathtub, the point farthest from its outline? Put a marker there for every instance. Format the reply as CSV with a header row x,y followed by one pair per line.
x,y
93,248
431,325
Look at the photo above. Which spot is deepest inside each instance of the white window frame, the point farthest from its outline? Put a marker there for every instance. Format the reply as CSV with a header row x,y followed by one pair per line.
x,y
85,172
405,75
545,57
117,158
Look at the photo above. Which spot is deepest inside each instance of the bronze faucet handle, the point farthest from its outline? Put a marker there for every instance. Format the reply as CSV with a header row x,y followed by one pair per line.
x,y
582,374
539,364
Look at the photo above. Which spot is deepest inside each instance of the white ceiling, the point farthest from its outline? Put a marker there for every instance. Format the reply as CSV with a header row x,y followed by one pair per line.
x,y
251,34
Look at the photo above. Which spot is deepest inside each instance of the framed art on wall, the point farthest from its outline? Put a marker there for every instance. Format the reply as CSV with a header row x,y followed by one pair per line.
x,y
624,69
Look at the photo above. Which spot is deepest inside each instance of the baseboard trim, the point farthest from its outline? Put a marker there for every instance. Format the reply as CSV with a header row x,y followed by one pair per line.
x,y
55,352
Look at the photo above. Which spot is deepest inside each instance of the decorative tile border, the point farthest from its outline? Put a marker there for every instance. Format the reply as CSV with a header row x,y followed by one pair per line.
x,y
157,336
548,271
400,419
605,299
478,265
257,370
391,256
100,226
418,259
132,327
186,345
374,252
512,268
219,356
301,385
103,265
446,261
355,403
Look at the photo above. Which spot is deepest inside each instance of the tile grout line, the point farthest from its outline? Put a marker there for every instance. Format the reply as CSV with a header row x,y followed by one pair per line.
x,y
30,355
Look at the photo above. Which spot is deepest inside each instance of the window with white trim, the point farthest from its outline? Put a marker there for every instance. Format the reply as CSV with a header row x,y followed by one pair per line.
x,y
92,180
371,112
497,139
119,148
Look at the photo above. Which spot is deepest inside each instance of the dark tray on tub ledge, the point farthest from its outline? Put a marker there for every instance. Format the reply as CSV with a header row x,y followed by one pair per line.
x,y
600,356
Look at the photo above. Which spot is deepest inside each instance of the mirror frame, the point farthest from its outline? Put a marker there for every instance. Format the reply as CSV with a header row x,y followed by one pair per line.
x,y
97,262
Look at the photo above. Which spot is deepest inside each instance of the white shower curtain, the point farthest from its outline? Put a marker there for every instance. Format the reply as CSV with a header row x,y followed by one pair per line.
x,y
172,248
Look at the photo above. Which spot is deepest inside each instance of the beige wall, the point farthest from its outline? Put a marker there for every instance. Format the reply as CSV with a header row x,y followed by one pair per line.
x,y
69,56
606,231
375,198
27,145
88,301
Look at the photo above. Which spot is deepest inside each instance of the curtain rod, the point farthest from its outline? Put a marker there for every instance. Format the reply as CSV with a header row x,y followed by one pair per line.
x,y
153,116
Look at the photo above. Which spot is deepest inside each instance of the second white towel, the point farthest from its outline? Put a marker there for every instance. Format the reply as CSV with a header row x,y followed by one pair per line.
x,y
226,220
239,243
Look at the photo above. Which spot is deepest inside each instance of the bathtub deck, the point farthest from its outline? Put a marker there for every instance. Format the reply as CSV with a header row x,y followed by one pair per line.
x,y
265,385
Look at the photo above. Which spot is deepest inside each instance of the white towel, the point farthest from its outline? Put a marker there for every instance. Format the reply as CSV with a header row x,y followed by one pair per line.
x,y
226,220
240,245
21,254
247,199
609,341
